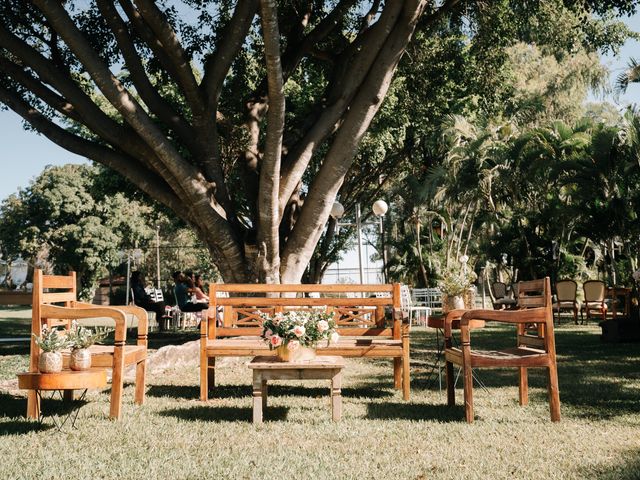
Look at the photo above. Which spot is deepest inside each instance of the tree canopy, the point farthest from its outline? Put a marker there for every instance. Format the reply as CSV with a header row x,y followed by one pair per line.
x,y
245,118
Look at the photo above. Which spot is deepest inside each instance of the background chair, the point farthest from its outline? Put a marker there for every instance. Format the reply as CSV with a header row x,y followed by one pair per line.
x,y
535,347
500,298
594,299
115,357
411,311
566,293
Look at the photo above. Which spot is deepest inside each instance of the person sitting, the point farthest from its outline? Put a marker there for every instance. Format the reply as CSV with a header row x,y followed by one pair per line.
x,y
181,291
198,288
142,299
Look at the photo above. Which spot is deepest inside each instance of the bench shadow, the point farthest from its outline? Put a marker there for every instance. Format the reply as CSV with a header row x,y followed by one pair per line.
x,y
238,391
21,427
414,411
224,414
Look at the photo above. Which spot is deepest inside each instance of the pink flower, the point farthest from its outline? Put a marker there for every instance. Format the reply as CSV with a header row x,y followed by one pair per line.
x,y
293,345
275,341
268,333
335,336
299,330
323,326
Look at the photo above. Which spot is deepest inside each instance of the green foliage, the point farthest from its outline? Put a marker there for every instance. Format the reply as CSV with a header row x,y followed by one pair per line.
x,y
52,339
82,337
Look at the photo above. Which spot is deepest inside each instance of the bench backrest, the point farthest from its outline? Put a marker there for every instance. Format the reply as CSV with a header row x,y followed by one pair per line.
x,y
358,311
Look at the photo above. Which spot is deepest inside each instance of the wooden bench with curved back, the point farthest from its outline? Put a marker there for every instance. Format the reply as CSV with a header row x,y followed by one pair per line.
x,y
49,290
535,345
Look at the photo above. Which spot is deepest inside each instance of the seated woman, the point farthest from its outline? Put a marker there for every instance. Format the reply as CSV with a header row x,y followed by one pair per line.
x,y
142,299
181,291
198,288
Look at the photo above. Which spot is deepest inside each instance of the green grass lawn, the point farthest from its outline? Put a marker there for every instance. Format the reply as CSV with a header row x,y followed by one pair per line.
x,y
380,436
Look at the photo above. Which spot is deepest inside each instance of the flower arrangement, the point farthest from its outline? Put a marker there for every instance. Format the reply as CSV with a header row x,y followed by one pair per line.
x,y
80,337
51,339
298,328
455,282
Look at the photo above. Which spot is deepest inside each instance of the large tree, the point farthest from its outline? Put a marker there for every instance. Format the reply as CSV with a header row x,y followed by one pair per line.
x,y
187,101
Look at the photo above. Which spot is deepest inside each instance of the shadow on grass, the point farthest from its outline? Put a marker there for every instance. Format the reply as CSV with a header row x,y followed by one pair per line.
x,y
414,411
225,414
275,390
21,427
12,406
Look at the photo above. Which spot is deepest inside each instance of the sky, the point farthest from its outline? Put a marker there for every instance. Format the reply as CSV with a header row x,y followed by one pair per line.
x,y
23,154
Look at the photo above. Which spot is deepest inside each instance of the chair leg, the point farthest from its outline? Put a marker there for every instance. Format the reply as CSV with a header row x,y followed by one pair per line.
x,y
468,392
141,368
33,405
397,373
523,386
554,392
117,384
575,315
451,384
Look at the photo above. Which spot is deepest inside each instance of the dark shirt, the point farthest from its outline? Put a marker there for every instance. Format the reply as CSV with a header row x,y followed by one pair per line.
x,y
181,293
139,293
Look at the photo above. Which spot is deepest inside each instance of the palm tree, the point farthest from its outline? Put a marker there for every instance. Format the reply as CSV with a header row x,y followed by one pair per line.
x,y
631,75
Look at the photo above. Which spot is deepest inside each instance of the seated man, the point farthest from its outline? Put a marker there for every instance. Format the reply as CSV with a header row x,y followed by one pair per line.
x,y
142,299
181,291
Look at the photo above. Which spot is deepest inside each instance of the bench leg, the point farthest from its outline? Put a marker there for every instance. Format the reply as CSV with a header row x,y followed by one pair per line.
x,y
336,395
406,379
257,397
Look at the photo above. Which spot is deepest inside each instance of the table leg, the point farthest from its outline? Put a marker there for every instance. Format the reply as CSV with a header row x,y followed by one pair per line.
x,y
264,395
257,397
336,395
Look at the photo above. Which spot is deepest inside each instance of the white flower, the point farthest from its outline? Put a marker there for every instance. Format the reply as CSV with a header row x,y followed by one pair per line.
x,y
293,345
335,336
323,326
636,275
464,259
299,330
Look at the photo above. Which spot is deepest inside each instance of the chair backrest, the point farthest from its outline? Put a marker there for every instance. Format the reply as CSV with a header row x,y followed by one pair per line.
x,y
156,295
594,291
49,289
405,299
499,290
534,293
566,290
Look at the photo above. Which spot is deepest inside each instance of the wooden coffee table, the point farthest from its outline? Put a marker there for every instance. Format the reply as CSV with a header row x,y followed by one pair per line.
x,y
67,381
271,368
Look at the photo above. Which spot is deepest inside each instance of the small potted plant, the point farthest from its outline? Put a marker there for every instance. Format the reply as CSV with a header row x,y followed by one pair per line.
x,y
80,339
295,334
51,341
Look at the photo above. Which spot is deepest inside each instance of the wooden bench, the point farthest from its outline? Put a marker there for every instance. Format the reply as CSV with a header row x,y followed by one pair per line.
x,y
369,326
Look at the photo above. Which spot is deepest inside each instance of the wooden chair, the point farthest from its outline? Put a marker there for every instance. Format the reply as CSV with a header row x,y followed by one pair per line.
x,y
566,298
499,297
534,349
594,299
51,289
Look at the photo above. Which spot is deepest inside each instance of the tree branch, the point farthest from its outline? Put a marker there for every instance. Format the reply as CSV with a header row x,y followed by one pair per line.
x,y
342,152
158,23
148,93
145,179
268,214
